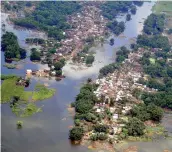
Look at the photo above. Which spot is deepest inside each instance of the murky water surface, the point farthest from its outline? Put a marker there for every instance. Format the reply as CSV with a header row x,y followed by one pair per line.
x,y
48,131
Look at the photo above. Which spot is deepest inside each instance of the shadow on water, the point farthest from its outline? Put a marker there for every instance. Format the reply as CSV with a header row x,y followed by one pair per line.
x,y
48,130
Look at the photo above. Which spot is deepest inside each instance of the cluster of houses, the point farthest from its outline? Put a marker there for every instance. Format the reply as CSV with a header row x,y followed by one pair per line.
x,y
117,86
87,23
122,82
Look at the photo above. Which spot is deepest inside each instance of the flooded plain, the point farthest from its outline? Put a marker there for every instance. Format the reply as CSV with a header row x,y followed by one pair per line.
x,y
48,130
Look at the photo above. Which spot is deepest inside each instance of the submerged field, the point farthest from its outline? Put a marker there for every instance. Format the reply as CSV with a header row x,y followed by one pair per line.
x,y
10,89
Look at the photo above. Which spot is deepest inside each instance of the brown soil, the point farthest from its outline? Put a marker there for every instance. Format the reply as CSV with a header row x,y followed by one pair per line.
x,y
131,149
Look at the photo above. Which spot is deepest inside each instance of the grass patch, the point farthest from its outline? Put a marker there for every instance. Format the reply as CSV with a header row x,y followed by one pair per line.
x,y
42,92
150,133
25,110
10,89
10,66
4,77
158,130
163,6
152,60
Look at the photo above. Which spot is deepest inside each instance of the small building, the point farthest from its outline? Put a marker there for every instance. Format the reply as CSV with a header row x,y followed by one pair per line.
x,y
98,110
115,116
28,71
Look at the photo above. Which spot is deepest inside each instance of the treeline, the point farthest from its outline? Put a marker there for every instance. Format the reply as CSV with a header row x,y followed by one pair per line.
x,y
115,27
35,40
10,46
16,5
154,24
160,78
35,55
111,9
157,41
50,16
121,55
147,112
156,64
162,99
84,103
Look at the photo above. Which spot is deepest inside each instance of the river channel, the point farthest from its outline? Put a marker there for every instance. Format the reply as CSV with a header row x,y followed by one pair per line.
x,y
48,130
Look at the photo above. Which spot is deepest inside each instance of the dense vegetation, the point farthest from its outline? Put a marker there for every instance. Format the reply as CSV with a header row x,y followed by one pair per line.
x,y
50,17
128,17
76,133
147,112
35,55
35,41
84,103
115,27
111,9
157,41
108,69
135,127
154,24
89,59
58,66
9,89
170,31
10,46
121,54
160,77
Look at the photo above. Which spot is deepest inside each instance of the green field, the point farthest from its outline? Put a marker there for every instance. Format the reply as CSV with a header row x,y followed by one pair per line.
x,y
10,89
163,6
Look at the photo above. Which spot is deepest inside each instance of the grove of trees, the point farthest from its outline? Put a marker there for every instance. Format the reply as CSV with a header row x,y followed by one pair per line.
x,y
147,112
157,41
154,24
115,27
76,133
135,127
111,9
50,16
35,55
89,59
10,46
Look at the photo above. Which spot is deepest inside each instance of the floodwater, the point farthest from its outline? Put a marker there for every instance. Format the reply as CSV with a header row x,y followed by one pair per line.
x,y
48,130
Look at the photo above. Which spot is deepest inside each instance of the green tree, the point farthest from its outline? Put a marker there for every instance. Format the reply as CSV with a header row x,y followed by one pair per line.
x,y
135,127
58,65
156,112
35,55
128,17
90,59
101,128
76,133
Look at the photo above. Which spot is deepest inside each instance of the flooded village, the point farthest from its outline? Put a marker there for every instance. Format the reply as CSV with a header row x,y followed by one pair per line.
x,y
115,90
121,83
116,93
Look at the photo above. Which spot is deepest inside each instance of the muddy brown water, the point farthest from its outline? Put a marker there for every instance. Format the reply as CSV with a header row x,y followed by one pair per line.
x,y
48,130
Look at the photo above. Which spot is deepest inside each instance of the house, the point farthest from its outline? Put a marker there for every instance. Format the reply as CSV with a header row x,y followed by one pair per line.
x,y
98,110
115,116
28,71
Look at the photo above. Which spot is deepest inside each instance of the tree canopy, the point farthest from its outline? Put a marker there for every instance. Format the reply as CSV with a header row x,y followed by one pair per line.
x,y
110,9
115,27
76,133
154,24
10,46
135,127
50,16
35,55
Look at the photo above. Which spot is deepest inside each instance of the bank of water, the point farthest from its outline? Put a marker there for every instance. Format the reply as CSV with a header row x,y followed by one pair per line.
x,y
48,130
